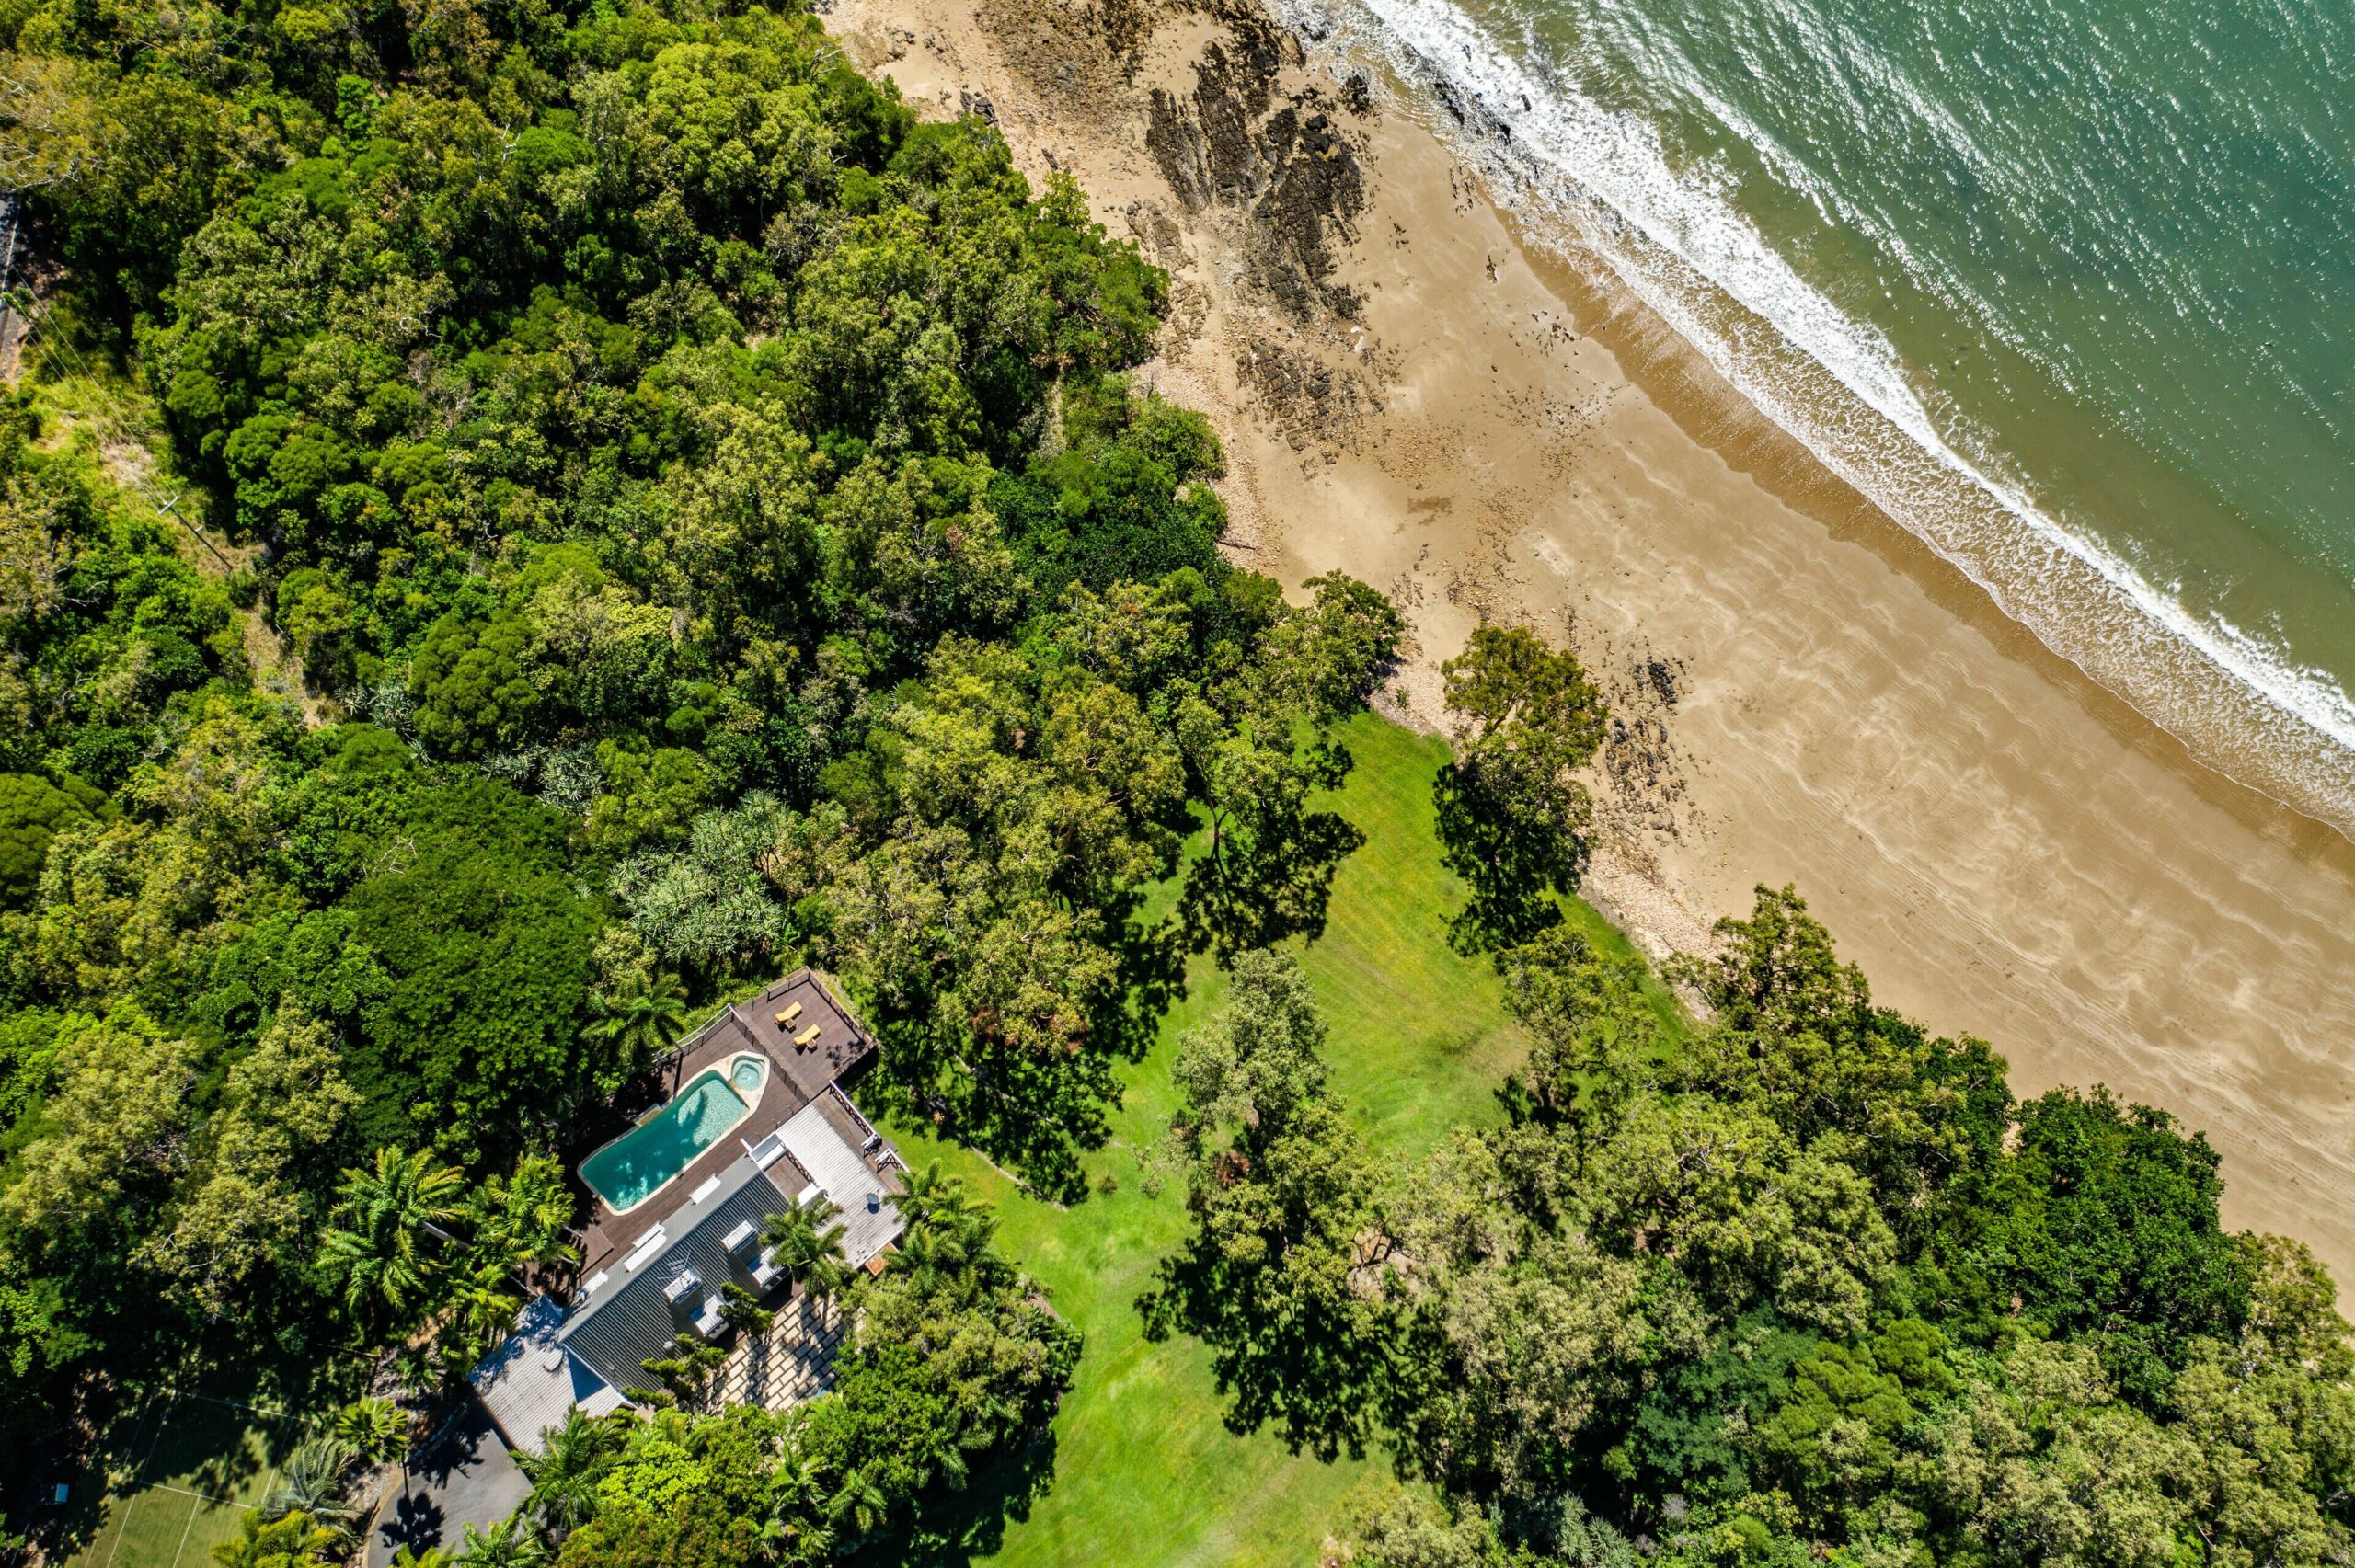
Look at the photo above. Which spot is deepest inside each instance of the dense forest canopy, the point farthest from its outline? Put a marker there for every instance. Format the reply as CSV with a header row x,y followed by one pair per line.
x,y
521,520
1808,1286
643,511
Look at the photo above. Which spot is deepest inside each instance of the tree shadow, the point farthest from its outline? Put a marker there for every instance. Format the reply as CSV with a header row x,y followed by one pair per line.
x,y
1316,1380
1511,854
959,1527
1247,898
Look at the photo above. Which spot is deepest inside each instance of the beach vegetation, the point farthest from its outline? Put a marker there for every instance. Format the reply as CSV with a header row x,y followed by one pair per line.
x,y
519,522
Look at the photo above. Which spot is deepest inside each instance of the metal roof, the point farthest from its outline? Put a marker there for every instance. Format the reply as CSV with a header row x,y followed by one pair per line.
x,y
530,1382
626,1316
825,1141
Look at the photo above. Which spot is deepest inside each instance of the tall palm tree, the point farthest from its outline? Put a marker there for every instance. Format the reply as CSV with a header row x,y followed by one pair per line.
x,y
485,1309
376,1430
931,1252
565,1472
372,1253
641,1020
518,1222
507,1544
807,1246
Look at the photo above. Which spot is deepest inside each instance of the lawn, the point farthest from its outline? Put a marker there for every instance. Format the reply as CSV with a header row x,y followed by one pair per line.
x,y
180,1471
1145,1473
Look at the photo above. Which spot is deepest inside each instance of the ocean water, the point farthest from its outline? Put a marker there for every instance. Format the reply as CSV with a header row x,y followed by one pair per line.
x,y
2067,286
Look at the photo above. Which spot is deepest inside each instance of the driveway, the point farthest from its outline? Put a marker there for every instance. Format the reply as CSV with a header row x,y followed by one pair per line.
x,y
466,1477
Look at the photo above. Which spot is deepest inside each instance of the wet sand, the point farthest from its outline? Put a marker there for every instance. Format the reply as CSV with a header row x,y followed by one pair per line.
x,y
1488,429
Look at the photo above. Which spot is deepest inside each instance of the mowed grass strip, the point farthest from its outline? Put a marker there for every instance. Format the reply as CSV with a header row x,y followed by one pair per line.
x,y
1145,1473
182,1481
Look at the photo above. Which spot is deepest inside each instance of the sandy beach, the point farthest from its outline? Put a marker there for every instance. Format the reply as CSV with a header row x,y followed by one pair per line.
x,y
1413,392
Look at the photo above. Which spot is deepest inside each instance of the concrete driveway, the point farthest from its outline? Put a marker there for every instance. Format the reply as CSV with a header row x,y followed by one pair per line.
x,y
466,1477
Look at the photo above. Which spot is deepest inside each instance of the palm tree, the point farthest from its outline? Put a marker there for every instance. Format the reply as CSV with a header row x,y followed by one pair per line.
x,y
432,1557
507,1544
565,1472
486,1310
520,1222
931,1252
931,1193
859,1500
641,1020
289,1540
377,1429
807,1246
372,1253
312,1484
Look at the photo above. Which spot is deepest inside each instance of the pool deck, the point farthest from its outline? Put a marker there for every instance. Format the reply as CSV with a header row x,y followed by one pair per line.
x,y
797,1077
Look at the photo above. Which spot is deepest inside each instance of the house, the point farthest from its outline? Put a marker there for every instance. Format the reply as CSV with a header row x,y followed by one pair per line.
x,y
754,1120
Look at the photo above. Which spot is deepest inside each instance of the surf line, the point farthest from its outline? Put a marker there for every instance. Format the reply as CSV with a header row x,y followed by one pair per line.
x,y
1603,183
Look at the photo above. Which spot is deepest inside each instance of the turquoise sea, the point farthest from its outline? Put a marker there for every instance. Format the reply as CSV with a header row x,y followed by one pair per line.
x,y
2068,286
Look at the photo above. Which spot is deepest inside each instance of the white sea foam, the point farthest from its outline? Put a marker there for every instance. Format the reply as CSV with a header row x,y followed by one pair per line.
x,y
2235,698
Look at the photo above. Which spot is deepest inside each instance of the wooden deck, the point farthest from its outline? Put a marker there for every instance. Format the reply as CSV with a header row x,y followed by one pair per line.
x,y
797,1075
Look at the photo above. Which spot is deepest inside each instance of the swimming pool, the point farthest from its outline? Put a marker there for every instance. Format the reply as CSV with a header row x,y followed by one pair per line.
x,y
637,1165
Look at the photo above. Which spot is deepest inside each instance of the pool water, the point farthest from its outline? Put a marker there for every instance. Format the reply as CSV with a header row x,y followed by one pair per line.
x,y
632,1168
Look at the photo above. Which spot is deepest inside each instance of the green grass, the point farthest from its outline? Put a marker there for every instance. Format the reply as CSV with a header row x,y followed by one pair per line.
x,y
1145,1473
178,1472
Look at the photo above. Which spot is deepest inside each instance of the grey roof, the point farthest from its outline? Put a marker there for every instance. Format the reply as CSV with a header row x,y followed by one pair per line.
x,y
825,1140
530,1382
623,1316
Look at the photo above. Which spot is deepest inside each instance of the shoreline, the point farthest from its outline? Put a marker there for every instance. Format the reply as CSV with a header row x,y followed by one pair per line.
x,y
2244,707
1413,390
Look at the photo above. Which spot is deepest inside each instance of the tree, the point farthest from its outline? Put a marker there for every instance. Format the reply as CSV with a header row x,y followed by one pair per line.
x,y
311,1482
808,1245
1511,818
565,1470
687,1371
246,1208
113,1133
514,1224
31,811
484,942
641,1021
742,1312
932,1192
1797,1033
291,1541
375,1429
372,1255
1258,1066
1282,1276
507,1544
2103,1225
